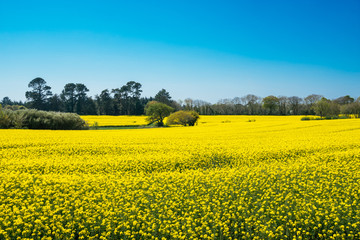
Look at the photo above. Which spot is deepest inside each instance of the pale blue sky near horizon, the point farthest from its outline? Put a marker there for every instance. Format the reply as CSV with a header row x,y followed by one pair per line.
x,y
206,50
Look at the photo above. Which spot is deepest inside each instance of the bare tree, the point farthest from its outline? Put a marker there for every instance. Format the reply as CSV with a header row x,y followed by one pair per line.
x,y
294,103
310,101
283,105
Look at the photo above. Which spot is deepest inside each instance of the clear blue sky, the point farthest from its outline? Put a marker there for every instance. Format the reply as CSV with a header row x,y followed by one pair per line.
x,y
205,50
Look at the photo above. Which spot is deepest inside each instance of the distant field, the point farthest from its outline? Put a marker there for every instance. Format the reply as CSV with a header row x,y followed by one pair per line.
x,y
230,177
105,120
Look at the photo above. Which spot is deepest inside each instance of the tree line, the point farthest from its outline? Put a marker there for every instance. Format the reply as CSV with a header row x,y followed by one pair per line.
x,y
127,100
313,104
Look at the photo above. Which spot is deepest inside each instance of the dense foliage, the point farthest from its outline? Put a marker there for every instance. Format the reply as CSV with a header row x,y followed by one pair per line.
x,y
35,119
109,121
157,112
227,178
185,118
127,100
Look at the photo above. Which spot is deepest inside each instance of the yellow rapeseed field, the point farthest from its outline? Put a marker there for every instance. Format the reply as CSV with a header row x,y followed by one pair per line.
x,y
226,178
115,120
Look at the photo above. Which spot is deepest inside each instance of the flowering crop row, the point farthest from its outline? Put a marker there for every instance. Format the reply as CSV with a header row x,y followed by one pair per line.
x,y
115,120
227,178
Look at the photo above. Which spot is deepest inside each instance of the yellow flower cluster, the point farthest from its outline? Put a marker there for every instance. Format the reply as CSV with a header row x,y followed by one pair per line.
x,y
115,120
227,178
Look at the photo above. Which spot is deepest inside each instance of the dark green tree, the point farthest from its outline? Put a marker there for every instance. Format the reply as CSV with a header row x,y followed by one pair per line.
x,y
163,96
80,98
105,103
127,99
120,99
74,97
39,94
135,107
89,107
6,101
56,104
68,95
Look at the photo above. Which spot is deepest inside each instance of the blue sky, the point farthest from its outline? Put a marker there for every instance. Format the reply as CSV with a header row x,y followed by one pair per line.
x,y
205,50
